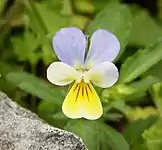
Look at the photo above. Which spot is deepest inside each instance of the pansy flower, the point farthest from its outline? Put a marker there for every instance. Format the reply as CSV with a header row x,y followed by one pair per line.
x,y
96,68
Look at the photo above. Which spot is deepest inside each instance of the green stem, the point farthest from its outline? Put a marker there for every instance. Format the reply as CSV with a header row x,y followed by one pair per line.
x,y
5,25
2,4
38,25
67,7
33,7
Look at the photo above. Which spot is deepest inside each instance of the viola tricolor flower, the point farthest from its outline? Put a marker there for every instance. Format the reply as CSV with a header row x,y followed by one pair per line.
x,y
70,45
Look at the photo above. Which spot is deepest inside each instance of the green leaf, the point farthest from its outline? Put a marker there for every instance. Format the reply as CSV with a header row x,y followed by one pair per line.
x,y
140,146
135,113
143,84
133,131
52,114
78,21
153,136
60,120
156,93
35,86
39,28
50,14
100,5
46,110
159,5
116,140
150,26
140,62
28,43
57,18
129,92
1,6
117,104
100,136
84,6
141,87
113,116
5,68
155,70
119,24
67,8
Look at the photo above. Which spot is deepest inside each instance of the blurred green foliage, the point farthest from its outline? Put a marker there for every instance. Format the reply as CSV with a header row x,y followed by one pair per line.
x,y
132,107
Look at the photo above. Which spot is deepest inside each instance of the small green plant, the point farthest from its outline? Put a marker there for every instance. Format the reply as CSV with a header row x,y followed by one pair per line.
x,y
132,111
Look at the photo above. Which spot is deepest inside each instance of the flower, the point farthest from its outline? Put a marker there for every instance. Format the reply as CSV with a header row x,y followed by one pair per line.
x,y
70,46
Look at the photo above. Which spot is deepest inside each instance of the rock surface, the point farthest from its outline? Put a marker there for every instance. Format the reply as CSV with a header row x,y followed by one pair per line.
x,y
20,129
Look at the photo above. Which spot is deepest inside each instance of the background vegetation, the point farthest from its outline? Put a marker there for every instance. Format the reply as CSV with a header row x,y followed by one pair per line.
x,y
132,107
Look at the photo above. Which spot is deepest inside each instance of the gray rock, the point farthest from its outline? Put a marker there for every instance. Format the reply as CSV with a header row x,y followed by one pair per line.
x,y
21,129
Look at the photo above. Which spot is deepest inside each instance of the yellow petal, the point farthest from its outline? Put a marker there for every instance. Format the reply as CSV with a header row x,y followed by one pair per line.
x,y
82,101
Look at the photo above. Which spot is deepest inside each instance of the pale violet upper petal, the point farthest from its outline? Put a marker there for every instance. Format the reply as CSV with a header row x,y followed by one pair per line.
x,y
61,74
103,75
69,45
104,47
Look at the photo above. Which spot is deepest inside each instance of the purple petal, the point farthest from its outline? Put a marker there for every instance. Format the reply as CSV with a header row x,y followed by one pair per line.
x,y
69,45
104,47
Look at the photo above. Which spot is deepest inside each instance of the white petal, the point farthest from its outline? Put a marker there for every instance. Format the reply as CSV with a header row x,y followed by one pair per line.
x,y
103,75
61,74
104,47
